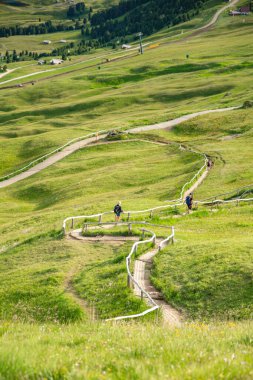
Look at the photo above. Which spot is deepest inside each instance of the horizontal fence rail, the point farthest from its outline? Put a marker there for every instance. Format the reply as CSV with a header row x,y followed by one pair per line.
x,y
136,244
151,210
237,193
222,201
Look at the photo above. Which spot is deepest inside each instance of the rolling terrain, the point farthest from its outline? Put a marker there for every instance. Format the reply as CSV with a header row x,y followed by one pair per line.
x,y
56,291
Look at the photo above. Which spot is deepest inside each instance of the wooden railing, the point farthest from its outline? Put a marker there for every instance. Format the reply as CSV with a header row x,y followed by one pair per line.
x,y
134,250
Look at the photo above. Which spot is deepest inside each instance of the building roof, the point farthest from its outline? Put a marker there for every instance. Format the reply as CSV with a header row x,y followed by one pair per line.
x,y
56,60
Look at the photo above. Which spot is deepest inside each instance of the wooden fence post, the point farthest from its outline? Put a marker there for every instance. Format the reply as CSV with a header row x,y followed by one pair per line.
x,y
173,231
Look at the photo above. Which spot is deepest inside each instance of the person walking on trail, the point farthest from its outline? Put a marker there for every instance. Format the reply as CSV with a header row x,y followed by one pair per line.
x,y
189,201
118,211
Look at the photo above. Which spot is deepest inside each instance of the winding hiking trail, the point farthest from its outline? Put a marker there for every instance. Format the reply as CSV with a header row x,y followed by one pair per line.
x,y
142,268
142,265
197,183
142,272
83,143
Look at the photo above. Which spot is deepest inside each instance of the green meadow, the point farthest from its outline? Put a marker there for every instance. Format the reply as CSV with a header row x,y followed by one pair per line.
x,y
56,292
168,85
35,42
127,351
31,11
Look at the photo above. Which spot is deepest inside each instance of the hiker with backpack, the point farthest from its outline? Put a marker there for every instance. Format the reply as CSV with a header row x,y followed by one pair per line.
x,y
189,201
117,211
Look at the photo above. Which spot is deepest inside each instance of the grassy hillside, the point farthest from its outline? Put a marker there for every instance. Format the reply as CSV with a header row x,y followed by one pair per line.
x,y
142,175
168,85
37,257
208,273
222,136
138,351
52,287
27,12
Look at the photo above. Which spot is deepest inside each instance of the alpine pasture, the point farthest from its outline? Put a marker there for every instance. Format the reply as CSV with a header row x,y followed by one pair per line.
x,y
56,292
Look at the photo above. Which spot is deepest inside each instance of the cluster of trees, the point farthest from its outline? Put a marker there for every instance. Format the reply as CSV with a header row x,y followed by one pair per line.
x,y
148,16
43,28
118,21
82,47
14,56
108,27
76,10
116,11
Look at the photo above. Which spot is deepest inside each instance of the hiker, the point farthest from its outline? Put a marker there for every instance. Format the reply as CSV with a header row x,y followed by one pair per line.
x,y
189,201
209,163
117,211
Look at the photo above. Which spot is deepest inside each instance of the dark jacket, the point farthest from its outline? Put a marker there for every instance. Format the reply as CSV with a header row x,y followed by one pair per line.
x,y
118,209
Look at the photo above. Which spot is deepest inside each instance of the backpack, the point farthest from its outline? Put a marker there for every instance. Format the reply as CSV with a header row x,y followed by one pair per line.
x,y
117,209
188,200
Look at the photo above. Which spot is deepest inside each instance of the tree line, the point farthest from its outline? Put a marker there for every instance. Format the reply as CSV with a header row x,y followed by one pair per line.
x,y
43,28
117,24
148,16
65,51
76,10
73,12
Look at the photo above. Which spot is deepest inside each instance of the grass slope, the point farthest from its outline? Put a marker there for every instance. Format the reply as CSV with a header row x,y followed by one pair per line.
x,y
169,85
35,261
208,272
129,351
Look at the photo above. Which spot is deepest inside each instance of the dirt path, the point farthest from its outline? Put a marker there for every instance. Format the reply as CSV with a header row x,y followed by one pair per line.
x,y
50,161
142,272
77,235
68,284
197,183
142,268
6,72
81,144
69,289
172,123
218,13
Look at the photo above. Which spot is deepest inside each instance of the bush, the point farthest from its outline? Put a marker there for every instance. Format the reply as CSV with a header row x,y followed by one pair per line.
x,y
247,104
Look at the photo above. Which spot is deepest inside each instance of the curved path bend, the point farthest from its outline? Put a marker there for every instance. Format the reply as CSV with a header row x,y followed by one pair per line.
x,y
142,273
81,144
142,269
